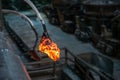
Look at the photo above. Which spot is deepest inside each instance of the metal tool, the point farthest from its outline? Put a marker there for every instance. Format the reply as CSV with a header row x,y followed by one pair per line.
x,y
45,33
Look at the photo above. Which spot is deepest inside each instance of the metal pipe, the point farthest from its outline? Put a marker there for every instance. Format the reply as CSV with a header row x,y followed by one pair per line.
x,y
27,19
38,15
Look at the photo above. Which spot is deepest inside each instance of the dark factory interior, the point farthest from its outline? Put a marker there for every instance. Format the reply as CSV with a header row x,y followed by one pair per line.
x,y
59,39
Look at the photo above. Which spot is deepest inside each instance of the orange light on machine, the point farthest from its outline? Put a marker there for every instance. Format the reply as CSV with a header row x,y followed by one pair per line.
x,y
48,47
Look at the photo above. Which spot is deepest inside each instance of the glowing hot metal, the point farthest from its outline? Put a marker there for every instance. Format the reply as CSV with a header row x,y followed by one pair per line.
x,y
50,48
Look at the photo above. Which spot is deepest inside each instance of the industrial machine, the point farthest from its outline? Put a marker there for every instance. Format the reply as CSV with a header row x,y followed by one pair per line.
x,y
88,20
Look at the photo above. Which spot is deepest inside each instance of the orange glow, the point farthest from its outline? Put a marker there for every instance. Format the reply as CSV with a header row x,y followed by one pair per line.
x,y
50,48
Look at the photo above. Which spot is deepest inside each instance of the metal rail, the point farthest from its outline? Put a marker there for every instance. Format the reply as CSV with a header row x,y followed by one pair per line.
x,y
86,65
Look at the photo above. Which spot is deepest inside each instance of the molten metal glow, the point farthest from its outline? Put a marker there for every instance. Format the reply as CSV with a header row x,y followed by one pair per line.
x,y
50,48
